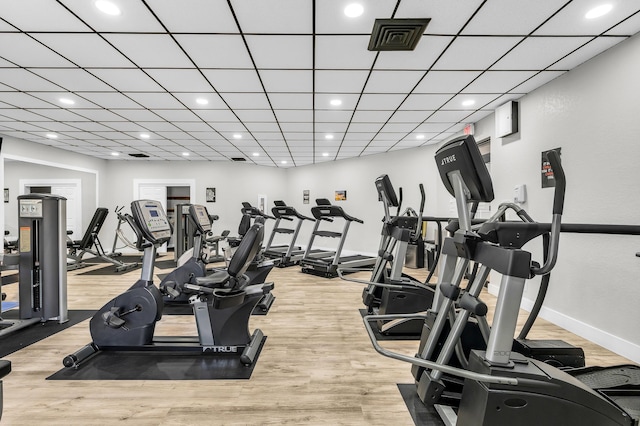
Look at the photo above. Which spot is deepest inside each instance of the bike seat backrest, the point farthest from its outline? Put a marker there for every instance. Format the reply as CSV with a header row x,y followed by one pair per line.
x,y
512,234
245,224
94,227
247,250
462,155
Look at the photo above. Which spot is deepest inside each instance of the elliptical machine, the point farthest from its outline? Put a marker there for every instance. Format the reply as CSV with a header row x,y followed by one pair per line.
x,y
502,387
127,323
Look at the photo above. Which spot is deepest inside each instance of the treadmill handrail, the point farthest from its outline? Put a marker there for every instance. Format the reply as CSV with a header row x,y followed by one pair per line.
x,y
324,211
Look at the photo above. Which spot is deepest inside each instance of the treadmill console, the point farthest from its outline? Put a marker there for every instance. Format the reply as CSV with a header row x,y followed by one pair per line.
x,y
152,220
200,217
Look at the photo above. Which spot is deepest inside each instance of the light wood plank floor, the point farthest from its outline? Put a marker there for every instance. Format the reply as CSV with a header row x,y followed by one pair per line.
x,y
317,367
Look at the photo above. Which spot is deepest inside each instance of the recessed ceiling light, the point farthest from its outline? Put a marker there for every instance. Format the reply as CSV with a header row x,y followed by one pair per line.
x,y
325,154
284,162
353,10
237,136
52,136
115,154
107,7
185,154
256,154
419,136
468,102
202,101
599,11
67,101
328,136
144,136
335,102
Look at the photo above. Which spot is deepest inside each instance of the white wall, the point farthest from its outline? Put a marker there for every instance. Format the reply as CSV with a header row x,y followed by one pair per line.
x,y
234,184
592,114
406,169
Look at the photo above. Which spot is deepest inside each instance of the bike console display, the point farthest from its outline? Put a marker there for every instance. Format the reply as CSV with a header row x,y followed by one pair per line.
x,y
200,216
152,220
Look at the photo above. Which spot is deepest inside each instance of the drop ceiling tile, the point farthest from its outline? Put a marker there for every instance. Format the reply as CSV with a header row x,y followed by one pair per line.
x,y
365,127
25,127
24,80
281,16
425,102
172,138
500,101
154,126
432,127
333,128
537,81
10,114
478,115
345,52
475,53
40,15
84,49
399,127
99,114
135,17
627,27
516,18
216,51
59,114
267,136
228,129
409,116
88,126
447,16
172,115
498,81
446,81
361,116
287,81
388,137
294,115
216,115
571,20
180,80
246,100
139,115
330,17
214,101
393,81
27,52
189,126
326,116
208,136
127,80
24,100
537,53
456,103
444,116
282,52
340,81
202,16
301,136
421,58
255,115
74,80
153,100
586,52
234,80
126,126
291,100
380,102
323,101
144,49
110,100
263,127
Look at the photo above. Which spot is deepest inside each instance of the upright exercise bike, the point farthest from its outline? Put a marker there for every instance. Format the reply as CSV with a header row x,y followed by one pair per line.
x,y
127,323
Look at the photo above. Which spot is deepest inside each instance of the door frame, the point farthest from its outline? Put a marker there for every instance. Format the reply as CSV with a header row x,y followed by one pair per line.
x,y
75,184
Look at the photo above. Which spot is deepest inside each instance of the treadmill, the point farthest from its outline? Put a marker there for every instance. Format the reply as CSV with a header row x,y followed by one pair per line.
x,y
291,254
328,267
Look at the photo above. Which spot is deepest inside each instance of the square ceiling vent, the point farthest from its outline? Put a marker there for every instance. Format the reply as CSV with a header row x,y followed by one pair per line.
x,y
397,34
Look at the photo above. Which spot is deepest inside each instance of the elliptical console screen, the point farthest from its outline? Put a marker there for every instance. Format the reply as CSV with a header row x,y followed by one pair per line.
x,y
200,215
152,220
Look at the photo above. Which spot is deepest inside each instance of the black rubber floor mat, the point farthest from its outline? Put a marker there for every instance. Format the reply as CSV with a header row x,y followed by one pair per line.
x,y
381,337
10,278
110,270
30,335
420,413
113,365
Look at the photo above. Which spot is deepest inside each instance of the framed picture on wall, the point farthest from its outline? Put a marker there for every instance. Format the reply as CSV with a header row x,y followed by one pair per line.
x,y
262,203
211,195
341,195
6,195
305,196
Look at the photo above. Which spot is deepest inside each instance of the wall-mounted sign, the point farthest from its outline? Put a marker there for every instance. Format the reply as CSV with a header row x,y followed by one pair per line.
x,y
546,172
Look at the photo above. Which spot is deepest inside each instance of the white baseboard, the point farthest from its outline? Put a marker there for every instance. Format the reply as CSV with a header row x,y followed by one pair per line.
x,y
608,341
